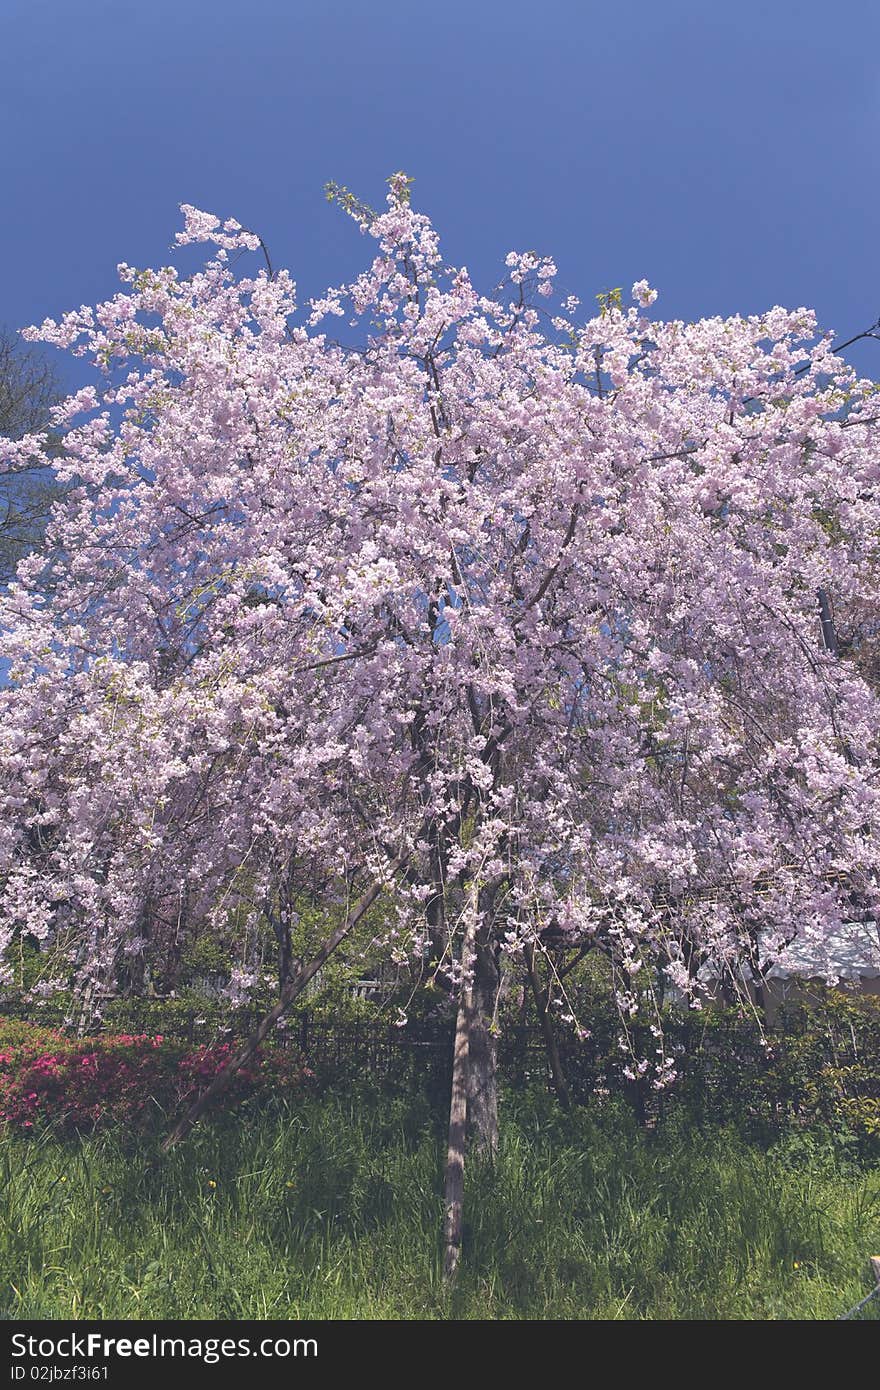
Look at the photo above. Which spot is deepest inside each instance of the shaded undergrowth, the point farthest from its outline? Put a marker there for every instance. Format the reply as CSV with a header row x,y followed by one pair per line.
x,y
330,1208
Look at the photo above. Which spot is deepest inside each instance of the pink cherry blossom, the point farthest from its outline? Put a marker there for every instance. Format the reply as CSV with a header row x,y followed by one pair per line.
x,y
479,601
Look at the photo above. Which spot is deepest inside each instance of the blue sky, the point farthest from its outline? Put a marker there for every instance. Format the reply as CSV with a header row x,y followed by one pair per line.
x,y
726,153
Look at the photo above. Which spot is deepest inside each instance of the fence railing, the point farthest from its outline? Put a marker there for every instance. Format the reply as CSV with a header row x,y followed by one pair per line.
x,y
826,1067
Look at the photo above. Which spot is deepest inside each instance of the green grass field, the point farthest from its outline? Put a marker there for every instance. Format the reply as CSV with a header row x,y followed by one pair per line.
x,y
330,1209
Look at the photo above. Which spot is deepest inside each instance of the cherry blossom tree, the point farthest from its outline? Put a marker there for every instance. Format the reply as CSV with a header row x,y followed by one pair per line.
x,y
516,615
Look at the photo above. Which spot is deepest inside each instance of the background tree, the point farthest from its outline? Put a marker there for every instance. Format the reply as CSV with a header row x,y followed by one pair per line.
x,y
29,388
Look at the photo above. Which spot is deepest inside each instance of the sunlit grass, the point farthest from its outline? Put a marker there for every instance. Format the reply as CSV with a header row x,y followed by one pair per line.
x,y
331,1209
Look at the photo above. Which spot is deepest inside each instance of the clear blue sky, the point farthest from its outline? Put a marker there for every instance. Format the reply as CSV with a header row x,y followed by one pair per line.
x,y
727,152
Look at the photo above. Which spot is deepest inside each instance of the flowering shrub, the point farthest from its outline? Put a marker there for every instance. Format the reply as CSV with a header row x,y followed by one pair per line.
x,y
121,1078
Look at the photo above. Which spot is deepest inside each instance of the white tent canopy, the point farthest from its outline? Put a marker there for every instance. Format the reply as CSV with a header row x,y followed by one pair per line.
x,y
851,953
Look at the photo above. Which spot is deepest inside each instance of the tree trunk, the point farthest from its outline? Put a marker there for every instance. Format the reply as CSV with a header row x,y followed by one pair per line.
x,y
560,1085
458,1103
482,1092
285,957
291,991
829,632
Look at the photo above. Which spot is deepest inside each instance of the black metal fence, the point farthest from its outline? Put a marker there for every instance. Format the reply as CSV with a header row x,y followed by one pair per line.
x,y
825,1065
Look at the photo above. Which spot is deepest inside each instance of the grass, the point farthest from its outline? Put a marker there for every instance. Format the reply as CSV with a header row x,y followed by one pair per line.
x,y
330,1209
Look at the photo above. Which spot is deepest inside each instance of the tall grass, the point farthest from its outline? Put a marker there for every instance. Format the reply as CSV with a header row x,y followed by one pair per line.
x,y
330,1209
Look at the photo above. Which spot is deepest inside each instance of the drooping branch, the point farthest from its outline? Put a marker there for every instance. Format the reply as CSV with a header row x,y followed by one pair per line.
x,y
560,1085
289,994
